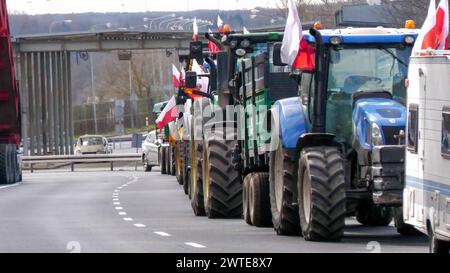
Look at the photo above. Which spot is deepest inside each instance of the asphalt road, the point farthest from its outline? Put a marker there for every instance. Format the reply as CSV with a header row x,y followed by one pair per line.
x,y
96,210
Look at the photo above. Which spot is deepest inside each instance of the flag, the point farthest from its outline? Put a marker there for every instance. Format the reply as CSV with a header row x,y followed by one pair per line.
x,y
219,22
442,25
195,29
295,50
245,30
202,81
176,77
168,114
435,29
213,48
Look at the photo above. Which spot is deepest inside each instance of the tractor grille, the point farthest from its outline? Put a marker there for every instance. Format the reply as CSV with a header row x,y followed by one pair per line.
x,y
390,132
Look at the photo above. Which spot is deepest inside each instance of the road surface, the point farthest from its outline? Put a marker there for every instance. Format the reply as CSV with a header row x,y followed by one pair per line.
x,y
96,210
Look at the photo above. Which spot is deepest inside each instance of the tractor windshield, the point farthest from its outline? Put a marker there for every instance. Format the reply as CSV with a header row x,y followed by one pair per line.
x,y
355,69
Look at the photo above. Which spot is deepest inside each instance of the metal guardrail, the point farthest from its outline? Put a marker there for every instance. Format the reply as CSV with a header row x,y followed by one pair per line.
x,y
82,159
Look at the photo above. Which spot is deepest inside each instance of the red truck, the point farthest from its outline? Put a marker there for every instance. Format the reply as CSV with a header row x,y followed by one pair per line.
x,y
10,120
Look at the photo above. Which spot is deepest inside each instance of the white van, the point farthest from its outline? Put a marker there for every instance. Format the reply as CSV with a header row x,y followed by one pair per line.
x,y
426,197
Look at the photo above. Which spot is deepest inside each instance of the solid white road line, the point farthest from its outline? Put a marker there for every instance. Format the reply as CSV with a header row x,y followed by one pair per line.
x,y
195,245
9,186
122,213
128,219
139,225
161,233
119,208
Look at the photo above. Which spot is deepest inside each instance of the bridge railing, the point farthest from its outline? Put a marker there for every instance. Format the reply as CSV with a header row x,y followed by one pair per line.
x,y
81,159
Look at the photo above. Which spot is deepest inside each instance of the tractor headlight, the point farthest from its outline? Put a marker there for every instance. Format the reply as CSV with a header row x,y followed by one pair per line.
x,y
377,138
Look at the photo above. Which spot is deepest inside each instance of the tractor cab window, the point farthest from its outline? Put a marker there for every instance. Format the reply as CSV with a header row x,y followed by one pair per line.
x,y
354,69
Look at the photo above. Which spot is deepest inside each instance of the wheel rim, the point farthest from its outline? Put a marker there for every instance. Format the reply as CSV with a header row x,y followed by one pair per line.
x,y
306,185
278,172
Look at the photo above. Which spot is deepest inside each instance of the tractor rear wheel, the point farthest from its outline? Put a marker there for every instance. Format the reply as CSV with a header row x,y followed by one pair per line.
x,y
245,198
195,177
185,167
259,200
321,194
178,160
369,214
222,185
163,164
7,173
283,193
147,167
173,168
168,160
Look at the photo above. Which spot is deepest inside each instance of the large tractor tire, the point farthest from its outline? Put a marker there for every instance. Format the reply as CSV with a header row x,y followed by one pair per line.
x,y
146,166
168,160
173,166
195,178
369,214
8,159
163,163
321,194
283,193
245,199
402,227
259,200
185,167
179,156
222,185
436,245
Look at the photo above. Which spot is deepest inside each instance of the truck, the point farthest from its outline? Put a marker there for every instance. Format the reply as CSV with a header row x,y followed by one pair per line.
x,y
426,197
10,119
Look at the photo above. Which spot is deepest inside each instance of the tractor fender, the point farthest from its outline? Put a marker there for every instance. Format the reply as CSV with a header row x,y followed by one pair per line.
x,y
292,122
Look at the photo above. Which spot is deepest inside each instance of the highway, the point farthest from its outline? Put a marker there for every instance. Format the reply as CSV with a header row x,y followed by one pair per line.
x,y
96,210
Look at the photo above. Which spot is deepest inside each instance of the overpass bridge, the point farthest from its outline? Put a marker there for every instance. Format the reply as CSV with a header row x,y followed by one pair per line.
x,y
43,71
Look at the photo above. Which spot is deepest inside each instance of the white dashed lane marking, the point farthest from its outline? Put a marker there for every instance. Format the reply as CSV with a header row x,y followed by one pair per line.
x,y
140,225
119,208
116,203
161,233
128,219
122,213
195,245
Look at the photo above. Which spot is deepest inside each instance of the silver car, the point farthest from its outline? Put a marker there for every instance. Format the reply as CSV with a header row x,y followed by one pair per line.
x,y
150,151
92,144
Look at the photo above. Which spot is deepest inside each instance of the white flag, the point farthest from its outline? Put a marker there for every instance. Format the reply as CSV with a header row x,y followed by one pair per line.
x,y
219,21
292,35
246,30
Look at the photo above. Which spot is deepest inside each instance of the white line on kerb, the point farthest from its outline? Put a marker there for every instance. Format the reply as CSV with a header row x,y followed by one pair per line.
x,y
139,225
9,186
195,245
128,219
119,208
122,213
162,233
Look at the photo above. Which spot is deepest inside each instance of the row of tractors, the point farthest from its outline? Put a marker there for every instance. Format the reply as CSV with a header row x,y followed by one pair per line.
x,y
296,149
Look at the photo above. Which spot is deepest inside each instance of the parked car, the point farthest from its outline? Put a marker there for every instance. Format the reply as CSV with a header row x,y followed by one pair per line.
x,y
150,150
92,144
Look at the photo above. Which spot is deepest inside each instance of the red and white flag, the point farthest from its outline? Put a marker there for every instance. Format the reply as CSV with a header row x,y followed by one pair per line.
x,y
202,82
213,48
168,114
176,77
195,28
435,29
442,25
295,50
219,22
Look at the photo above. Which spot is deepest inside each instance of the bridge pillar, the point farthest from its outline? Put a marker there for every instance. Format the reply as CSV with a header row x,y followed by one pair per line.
x,y
45,88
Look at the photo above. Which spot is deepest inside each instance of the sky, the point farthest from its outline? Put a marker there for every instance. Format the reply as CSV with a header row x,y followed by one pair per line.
x,y
77,6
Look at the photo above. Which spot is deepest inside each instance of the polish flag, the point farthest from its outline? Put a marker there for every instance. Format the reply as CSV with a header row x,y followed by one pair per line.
x,y
435,29
213,48
168,114
176,77
295,50
442,25
195,28
203,81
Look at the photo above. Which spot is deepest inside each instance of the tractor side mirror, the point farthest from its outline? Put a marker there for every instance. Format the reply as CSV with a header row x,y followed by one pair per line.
x,y
191,79
277,55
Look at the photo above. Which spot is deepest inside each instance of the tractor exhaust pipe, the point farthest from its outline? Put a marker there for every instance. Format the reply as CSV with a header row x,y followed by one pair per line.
x,y
320,84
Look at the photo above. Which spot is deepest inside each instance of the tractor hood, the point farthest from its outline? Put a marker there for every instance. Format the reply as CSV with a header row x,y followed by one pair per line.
x,y
383,112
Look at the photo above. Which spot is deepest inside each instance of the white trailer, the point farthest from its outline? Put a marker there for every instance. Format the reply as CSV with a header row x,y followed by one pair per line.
x,y
426,197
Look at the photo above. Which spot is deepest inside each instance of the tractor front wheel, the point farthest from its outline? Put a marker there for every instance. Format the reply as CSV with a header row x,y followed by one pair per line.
x,y
321,194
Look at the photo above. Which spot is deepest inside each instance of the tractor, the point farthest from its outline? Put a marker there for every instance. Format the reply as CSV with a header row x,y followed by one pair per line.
x,y
337,149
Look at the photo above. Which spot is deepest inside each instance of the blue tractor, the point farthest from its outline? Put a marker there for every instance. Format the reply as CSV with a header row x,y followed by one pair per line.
x,y
339,150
